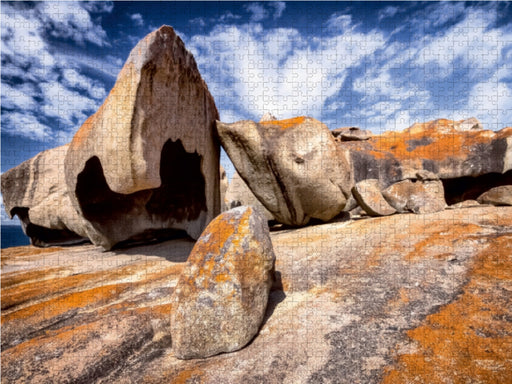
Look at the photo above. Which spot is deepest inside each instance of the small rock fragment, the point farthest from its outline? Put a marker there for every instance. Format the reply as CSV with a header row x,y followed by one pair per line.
x,y
497,196
221,296
369,197
351,134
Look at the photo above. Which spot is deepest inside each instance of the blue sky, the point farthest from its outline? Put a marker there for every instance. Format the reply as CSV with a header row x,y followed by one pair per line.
x,y
379,66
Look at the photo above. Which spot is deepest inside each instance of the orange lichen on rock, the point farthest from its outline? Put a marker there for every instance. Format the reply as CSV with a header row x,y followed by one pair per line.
x,y
285,124
470,338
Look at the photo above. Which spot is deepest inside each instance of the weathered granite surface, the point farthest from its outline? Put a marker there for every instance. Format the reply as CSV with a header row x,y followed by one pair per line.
x,y
392,299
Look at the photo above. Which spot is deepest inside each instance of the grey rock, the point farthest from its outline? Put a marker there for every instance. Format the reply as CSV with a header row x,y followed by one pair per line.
x,y
238,194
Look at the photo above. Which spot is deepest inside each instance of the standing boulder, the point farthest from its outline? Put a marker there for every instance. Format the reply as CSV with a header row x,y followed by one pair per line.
x,y
147,162
36,192
221,296
294,167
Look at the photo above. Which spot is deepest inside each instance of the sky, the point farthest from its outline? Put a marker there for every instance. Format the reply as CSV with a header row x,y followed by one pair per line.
x,y
375,65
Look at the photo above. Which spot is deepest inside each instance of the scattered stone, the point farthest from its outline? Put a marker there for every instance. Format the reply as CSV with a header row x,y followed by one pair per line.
x,y
351,203
369,197
294,167
223,188
465,204
501,195
267,117
351,134
221,296
471,124
238,194
36,192
147,162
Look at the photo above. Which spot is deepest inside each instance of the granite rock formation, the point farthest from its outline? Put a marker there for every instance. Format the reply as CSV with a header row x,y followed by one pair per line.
x,y
144,166
294,167
222,294
36,192
394,299
148,158
467,159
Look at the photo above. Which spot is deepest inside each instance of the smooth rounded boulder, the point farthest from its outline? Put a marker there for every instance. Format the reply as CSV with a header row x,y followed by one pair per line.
x,y
294,167
220,299
147,162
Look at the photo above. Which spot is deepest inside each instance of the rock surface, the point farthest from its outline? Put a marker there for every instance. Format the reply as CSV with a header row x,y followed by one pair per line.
x,y
294,167
222,294
466,158
385,299
148,158
238,193
36,192
497,196
368,195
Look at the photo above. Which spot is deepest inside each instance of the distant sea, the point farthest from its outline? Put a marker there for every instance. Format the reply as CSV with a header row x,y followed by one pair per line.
x,y
13,236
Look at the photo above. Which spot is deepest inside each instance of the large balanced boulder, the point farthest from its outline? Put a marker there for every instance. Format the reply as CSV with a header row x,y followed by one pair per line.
x,y
36,192
221,296
294,167
466,158
147,161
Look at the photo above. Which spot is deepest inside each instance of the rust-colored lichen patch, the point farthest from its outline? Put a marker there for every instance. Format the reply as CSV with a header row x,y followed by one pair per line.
x,y
285,124
471,338
27,250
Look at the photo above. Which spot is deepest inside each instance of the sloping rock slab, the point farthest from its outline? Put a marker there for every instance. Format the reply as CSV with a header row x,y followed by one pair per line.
x,y
395,299
238,193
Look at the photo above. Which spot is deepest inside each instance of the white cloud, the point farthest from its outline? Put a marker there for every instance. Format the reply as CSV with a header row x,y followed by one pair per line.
x,y
278,70
339,23
98,6
72,21
279,6
388,12
258,11
25,125
137,19
40,83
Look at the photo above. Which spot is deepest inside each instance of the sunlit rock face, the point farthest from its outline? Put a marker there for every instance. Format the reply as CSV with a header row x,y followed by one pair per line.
x,y
147,161
36,192
293,167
